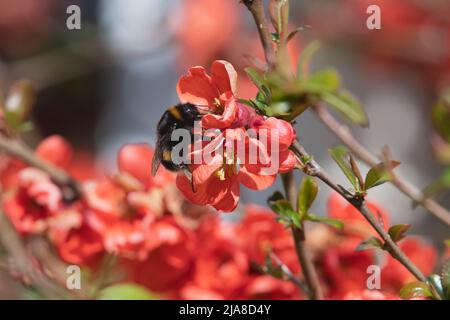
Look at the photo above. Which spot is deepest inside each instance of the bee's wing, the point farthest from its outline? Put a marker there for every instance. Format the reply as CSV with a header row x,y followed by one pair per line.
x,y
157,156
155,163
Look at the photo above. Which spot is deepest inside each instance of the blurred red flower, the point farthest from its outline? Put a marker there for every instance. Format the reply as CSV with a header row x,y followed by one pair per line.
x,y
344,268
205,28
394,275
33,202
354,222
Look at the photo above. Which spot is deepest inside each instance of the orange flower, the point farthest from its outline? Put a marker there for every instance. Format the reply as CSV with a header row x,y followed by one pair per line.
x,y
217,181
260,234
76,241
135,161
217,92
244,159
220,268
35,201
344,268
169,265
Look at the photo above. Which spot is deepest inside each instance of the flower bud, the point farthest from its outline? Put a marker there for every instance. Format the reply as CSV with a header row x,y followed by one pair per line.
x,y
19,102
56,150
136,160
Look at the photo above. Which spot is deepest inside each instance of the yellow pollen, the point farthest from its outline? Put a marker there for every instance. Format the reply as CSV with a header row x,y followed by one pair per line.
x,y
220,174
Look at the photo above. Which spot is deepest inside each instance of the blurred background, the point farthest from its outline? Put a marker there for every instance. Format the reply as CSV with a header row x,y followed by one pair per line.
x,y
108,83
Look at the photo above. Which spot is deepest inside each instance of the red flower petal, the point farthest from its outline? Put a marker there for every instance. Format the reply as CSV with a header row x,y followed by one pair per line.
x,y
196,88
231,198
224,76
254,181
287,161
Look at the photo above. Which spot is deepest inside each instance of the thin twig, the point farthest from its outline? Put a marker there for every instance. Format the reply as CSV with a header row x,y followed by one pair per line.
x,y
312,168
69,186
308,268
289,274
344,134
256,7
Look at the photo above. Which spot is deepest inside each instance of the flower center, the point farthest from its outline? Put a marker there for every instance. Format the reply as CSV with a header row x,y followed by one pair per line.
x,y
218,108
229,168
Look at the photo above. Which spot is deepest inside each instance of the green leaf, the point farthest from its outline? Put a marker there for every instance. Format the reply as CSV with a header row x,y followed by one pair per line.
x,y
280,108
279,15
246,102
324,81
257,78
356,170
438,186
441,116
283,208
19,102
126,291
338,154
280,205
305,59
378,175
294,32
371,243
398,231
307,194
348,106
271,269
335,223
416,289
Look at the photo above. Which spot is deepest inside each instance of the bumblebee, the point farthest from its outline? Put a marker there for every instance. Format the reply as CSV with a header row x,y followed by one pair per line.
x,y
180,116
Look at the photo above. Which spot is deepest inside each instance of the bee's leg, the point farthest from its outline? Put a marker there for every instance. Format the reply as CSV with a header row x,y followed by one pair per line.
x,y
188,175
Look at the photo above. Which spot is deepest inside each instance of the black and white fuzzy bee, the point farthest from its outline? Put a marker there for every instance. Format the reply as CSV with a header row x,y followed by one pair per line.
x,y
180,116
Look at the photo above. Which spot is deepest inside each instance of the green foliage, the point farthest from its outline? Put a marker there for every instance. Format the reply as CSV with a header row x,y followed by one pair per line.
x,y
305,59
126,291
441,116
335,223
376,176
18,104
307,194
371,243
347,105
279,16
398,231
416,289
379,174
438,186
297,93
271,269
283,208
340,156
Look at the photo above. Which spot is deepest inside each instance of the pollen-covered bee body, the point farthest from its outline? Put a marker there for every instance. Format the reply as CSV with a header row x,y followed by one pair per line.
x,y
180,116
